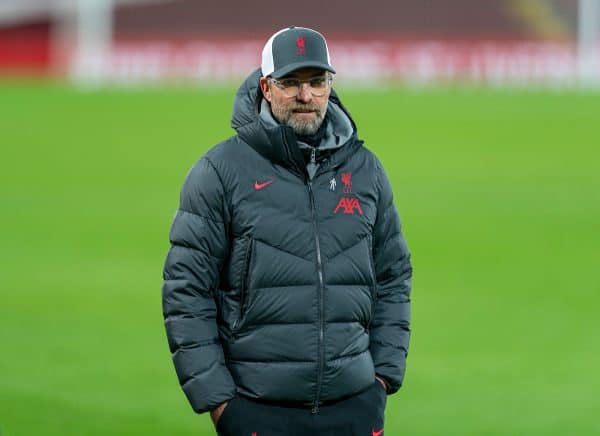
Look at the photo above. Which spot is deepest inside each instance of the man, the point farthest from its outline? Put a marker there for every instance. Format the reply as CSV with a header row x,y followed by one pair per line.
x,y
286,292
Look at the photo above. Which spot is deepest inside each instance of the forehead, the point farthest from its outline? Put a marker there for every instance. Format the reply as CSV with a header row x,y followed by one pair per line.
x,y
305,73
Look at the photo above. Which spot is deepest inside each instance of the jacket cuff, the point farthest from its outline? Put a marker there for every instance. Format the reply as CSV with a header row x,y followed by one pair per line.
x,y
385,382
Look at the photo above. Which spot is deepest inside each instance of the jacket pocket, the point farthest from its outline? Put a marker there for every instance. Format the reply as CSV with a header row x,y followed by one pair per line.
x,y
223,425
373,278
245,280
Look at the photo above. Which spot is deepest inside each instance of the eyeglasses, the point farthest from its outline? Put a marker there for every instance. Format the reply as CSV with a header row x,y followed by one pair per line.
x,y
318,86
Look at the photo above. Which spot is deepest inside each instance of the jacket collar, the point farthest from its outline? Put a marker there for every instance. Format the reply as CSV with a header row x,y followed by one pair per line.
x,y
278,143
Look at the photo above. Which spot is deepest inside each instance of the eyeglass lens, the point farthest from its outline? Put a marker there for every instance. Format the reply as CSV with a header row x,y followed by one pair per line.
x,y
317,86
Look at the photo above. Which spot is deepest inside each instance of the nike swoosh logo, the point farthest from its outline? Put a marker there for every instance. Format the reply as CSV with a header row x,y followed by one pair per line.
x,y
376,433
258,186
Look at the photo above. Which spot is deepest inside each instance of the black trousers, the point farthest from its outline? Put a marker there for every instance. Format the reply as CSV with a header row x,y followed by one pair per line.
x,y
360,415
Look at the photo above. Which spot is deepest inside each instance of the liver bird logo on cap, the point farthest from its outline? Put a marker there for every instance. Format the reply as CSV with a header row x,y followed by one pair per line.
x,y
300,47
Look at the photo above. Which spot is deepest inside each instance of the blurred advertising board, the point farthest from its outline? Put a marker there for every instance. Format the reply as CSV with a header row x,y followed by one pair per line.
x,y
415,62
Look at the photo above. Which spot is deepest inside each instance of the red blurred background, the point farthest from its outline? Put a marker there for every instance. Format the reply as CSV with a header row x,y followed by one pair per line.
x,y
497,41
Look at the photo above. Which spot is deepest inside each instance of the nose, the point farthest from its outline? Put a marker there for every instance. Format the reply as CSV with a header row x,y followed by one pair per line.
x,y
304,93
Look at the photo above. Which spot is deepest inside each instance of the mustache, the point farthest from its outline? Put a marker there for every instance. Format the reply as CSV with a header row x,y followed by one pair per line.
x,y
305,108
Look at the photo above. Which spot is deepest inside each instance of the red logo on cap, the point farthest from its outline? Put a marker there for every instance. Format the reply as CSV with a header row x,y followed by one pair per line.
x,y
300,48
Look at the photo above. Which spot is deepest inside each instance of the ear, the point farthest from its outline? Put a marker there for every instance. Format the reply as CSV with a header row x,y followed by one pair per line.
x,y
264,87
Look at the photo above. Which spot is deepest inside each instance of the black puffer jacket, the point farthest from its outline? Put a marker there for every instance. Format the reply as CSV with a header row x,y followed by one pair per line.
x,y
281,286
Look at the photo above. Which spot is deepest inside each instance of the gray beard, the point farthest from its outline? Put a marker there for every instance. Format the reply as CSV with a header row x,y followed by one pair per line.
x,y
305,128
300,127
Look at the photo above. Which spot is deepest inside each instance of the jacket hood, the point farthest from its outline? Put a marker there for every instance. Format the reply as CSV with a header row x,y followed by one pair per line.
x,y
279,142
246,106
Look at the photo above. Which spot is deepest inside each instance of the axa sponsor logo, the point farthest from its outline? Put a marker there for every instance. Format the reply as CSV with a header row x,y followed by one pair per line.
x,y
348,205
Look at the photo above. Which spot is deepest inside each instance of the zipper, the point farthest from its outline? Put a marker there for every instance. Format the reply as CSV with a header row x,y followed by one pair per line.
x,y
244,283
312,166
321,363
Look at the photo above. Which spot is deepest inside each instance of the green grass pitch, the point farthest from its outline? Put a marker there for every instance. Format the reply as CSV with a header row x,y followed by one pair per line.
x,y
499,192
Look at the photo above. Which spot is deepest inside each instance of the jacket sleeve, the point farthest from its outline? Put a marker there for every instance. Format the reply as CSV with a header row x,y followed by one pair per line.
x,y
390,327
199,244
